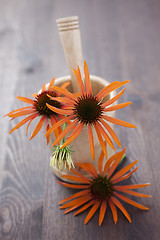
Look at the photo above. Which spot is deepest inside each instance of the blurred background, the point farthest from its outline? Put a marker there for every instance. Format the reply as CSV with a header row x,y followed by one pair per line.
x,y
120,41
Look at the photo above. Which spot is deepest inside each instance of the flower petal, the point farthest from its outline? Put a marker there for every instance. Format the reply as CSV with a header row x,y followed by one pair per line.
x,y
48,137
53,122
102,211
34,95
119,205
64,92
134,186
58,124
22,113
23,122
51,84
29,125
65,131
78,194
80,175
123,170
44,88
76,206
116,162
87,169
62,100
79,80
66,84
116,107
91,142
73,185
109,163
111,132
87,79
118,121
105,135
26,100
74,178
76,132
58,110
114,211
18,110
77,202
137,194
125,176
112,100
90,168
101,140
85,207
38,127
129,201
100,161
111,87
57,120
92,212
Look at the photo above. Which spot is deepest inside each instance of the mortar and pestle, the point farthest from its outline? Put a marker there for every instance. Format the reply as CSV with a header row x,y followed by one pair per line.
x,y
71,42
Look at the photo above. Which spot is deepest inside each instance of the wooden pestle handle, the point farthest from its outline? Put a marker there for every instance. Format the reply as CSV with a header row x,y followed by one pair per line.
x,y
71,41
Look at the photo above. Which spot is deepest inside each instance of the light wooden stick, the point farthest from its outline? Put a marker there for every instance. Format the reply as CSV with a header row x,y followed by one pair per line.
x,y
71,41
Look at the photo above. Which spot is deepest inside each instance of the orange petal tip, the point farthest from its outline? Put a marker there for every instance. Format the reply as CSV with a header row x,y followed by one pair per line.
x,y
127,81
147,184
132,126
146,208
46,134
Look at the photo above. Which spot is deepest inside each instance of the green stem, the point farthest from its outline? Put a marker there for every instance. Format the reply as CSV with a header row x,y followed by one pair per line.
x,y
64,126
63,139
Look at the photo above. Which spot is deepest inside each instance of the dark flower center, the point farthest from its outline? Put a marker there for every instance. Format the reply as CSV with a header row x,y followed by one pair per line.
x,y
42,99
101,188
88,109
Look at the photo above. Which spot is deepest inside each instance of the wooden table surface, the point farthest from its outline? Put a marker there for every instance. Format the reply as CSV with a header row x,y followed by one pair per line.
x,y
121,41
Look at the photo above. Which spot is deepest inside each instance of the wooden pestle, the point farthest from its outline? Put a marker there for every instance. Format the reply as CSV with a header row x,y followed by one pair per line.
x,y
71,41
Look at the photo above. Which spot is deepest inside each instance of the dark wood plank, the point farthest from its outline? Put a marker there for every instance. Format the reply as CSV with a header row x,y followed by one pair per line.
x,y
120,41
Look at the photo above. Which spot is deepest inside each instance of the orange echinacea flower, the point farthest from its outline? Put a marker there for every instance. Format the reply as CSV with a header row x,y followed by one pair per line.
x,y
38,108
86,109
102,188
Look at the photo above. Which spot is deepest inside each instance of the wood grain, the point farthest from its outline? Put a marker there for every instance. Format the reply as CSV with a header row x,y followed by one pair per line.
x,y
120,41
